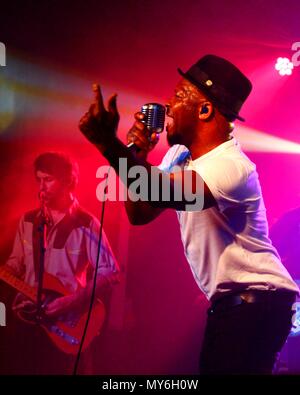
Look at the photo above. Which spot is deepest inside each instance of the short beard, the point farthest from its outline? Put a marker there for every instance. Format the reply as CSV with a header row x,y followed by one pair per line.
x,y
174,139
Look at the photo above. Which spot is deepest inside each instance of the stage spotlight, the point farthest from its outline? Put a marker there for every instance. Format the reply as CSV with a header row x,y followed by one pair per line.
x,y
253,140
284,66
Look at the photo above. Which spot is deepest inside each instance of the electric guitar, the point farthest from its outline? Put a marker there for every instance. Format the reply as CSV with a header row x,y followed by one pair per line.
x,y
66,330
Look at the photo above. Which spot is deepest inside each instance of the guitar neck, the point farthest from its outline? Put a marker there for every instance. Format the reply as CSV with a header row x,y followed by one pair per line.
x,y
18,284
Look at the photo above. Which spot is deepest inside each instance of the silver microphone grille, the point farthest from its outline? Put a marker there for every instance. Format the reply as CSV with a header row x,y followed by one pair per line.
x,y
154,117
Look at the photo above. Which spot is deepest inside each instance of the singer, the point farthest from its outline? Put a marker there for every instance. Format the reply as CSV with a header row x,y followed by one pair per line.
x,y
70,256
226,243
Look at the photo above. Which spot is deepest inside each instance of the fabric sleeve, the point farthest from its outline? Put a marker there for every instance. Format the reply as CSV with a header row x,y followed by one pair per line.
x,y
107,265
175,156
16,258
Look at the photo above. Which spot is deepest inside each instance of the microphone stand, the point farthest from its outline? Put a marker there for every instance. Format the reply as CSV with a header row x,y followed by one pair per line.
x,y
42,229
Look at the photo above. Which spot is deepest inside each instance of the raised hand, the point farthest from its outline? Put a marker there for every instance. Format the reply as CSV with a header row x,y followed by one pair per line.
x,y
99,125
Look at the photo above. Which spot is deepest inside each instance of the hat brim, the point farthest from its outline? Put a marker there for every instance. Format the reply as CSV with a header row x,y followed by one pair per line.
x,y
206,91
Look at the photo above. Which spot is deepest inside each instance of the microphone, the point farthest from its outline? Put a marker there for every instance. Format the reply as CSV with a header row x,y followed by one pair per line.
x,y
46,216
154,119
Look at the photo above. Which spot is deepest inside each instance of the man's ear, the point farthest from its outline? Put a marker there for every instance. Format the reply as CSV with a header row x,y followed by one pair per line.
x,y
206,110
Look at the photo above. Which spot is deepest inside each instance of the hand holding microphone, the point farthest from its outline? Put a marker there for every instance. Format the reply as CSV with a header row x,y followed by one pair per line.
x,y
144,134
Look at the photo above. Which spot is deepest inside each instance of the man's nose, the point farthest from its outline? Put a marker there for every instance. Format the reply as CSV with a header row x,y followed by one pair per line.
x,y
42,185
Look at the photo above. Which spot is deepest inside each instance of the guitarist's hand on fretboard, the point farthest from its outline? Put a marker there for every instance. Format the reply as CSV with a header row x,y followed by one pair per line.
x,y
26,310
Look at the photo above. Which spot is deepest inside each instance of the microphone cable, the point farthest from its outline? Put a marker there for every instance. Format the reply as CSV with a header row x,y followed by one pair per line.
x,y
94,280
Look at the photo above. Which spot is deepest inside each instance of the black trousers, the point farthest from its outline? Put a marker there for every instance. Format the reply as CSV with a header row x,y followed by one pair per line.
x,y
245,338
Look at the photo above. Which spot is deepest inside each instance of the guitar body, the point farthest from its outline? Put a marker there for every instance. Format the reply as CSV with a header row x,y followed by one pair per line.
x,y
65,331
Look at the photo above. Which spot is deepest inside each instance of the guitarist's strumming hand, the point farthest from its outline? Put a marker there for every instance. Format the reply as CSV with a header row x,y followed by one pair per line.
x,y
79,301
62,305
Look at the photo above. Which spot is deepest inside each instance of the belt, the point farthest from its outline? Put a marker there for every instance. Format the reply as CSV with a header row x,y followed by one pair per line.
x,y
278,298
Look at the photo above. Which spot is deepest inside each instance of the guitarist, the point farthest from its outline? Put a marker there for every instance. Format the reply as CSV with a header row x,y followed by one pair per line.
x,y
71,238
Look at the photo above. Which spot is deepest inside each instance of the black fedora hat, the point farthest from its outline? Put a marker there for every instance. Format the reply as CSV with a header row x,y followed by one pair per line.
x,y
222,82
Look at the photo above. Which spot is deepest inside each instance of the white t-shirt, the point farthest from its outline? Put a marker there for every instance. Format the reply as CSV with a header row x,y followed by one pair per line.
x,y
227,246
